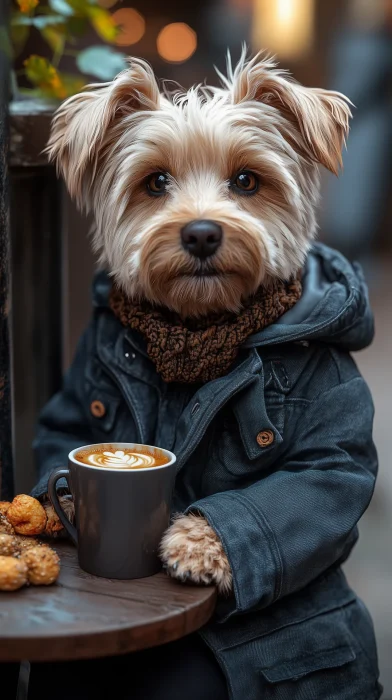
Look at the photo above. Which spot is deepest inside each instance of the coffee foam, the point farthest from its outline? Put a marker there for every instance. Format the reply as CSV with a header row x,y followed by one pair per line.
x,y
112,457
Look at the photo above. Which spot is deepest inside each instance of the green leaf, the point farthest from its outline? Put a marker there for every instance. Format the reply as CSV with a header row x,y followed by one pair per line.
x,y
103,23
62,7
55,37
72,83
101,61
76,27
44,76
49,81
19,36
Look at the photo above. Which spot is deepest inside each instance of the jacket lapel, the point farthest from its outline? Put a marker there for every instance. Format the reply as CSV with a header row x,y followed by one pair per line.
x,y
252,417
206,403
119,360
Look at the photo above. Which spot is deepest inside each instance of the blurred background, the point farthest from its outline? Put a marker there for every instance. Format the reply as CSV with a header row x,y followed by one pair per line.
x,y
340,44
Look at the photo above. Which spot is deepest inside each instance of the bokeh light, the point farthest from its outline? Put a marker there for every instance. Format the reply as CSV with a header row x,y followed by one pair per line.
x,y
176,42
284,27
132,26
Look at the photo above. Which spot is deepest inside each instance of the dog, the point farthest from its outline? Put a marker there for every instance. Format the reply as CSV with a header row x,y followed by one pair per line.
x,y
231,171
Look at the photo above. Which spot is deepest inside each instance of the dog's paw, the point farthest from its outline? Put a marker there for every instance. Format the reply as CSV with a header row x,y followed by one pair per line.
x,y
192,551
54,527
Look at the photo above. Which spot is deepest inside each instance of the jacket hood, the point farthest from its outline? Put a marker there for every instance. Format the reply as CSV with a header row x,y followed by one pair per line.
x,y
334,307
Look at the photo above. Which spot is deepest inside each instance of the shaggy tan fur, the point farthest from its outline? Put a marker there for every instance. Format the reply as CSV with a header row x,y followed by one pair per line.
x,y
108,140
191,550
54,527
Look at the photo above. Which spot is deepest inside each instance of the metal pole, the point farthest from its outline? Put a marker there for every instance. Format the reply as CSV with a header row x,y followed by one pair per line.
x,y
6,463
36,263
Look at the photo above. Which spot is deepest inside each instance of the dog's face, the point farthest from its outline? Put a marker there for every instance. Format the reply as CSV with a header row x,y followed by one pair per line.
x,y
200,198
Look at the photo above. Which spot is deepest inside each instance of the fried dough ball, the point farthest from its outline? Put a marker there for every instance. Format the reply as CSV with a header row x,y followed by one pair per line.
x,y
25,542
4,505
5,526
13,573
27,515
8,545
53,523
43,565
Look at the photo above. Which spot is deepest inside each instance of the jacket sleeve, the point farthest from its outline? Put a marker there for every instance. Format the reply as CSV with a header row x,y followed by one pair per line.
x,y
283,531
63,424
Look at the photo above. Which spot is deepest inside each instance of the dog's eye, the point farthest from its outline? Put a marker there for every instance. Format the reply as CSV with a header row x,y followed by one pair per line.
x,y
156,183
245,182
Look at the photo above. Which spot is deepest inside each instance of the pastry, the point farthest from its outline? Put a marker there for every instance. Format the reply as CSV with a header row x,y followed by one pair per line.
x,y
9,545
43,565
4,505
5,526
27,515
13,573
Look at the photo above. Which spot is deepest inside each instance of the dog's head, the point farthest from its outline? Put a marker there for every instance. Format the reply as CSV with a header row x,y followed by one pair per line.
x,y
201,197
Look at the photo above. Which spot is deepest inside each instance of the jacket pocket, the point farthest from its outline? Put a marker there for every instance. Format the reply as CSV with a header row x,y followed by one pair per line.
x,y
316,659
229,448
300,650
298,668
317,644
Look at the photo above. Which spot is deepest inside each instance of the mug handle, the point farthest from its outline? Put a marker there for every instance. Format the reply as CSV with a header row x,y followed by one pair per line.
x,y
54,499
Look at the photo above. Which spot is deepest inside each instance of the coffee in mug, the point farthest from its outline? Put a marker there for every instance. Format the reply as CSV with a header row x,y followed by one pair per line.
x,y
109,457
122,494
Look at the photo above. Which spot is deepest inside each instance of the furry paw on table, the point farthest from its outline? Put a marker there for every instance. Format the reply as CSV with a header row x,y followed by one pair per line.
x,y
192,551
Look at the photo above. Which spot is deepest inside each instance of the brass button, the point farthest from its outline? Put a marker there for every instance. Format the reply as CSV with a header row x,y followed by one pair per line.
x,y
265,438
97,409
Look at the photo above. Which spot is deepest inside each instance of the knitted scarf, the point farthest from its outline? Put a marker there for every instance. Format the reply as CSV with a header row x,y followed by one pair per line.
x,y
199,350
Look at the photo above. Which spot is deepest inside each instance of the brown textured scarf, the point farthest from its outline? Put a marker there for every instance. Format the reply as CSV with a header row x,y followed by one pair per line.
x,y
200,350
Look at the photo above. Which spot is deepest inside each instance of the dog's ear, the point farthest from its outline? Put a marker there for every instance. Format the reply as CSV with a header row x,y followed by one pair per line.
x,y
82,121
321,117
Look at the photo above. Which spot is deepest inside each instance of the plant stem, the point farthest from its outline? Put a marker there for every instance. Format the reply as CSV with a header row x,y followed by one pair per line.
x,y
57,56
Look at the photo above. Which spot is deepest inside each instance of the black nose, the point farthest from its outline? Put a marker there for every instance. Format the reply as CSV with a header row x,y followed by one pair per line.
x,y
201,238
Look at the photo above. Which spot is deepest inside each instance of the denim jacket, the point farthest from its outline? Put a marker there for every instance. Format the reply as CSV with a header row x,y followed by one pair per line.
x,y
277,455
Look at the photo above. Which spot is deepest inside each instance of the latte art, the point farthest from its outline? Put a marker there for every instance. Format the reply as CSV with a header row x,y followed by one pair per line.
x,y
121,456
119,459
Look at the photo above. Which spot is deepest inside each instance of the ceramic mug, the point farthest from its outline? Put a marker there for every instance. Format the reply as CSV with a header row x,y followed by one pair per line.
x,y
121,514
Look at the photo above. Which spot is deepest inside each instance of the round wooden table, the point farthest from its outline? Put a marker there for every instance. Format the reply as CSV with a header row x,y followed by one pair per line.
x,y
83,616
